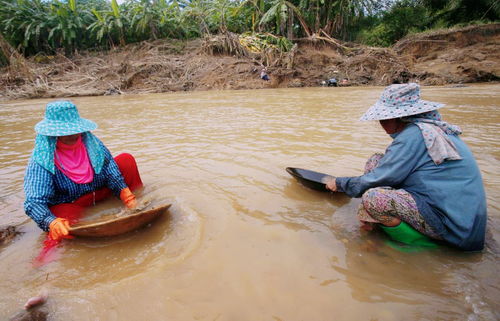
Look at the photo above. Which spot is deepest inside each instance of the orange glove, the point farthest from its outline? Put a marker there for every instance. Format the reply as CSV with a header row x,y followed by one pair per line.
x,y
128,198
59,229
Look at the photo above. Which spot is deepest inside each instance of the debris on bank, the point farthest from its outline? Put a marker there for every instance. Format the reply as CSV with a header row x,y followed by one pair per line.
x,y
230,61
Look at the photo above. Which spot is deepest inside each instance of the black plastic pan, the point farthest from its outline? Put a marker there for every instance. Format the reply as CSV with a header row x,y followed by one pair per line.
x,y
311,179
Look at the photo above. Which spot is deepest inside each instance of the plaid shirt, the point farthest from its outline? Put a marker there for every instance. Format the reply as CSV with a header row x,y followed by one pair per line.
x,y
44,189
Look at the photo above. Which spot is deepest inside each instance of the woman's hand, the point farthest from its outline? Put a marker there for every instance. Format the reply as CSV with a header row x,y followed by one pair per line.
x,y
128,198
59,229
330,183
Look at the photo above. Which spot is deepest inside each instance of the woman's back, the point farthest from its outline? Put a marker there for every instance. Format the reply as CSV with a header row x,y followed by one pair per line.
x,y
450,195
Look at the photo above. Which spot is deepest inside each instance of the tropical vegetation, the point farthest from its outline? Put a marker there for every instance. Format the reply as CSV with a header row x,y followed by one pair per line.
x,y
48,26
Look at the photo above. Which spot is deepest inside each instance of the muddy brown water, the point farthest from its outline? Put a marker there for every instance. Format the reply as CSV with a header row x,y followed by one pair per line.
x,y
243,240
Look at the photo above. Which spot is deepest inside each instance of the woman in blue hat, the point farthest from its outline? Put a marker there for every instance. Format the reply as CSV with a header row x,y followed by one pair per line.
x,y
70,169
427,184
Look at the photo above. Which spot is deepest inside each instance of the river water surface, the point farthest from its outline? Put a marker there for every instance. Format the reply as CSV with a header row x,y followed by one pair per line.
x,y
243,240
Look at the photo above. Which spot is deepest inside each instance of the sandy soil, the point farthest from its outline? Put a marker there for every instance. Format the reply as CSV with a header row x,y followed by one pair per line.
x,y
463,55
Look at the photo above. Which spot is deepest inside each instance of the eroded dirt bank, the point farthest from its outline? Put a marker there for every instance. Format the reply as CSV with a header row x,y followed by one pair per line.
x,y
463,55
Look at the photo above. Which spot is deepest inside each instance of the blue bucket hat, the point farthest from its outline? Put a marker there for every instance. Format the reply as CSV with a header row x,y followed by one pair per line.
x,y
398,101
62,119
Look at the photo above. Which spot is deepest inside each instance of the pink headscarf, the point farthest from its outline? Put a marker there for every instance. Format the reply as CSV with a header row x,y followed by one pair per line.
x,y
74,162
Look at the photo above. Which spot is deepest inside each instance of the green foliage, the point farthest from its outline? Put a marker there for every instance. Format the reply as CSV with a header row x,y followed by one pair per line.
x,y
410,16
34,26
402,18
378,36
66,24
107,29
453,12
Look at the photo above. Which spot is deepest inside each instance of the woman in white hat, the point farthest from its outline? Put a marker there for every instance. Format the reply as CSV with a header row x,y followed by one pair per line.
x,y
427,180
70,169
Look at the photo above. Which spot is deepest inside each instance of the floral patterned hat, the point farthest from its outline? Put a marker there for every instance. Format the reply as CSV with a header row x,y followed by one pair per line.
x,y
399,100
62,119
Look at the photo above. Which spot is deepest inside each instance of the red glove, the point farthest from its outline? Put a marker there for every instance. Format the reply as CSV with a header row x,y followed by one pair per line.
x,y
128,198
59,229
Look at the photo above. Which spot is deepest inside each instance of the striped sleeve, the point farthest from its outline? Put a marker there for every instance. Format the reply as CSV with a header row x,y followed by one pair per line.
x,y
38,188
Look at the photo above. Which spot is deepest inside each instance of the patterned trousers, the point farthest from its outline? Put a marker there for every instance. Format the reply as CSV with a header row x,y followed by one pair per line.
x,y
381,204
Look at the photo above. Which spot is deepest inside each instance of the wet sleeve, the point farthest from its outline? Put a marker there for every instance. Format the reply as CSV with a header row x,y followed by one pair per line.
x,y
400,159
110,170
38,189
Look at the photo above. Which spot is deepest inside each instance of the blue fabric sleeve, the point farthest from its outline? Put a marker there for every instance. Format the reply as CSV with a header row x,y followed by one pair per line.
x,y
39,188
110,170
399,161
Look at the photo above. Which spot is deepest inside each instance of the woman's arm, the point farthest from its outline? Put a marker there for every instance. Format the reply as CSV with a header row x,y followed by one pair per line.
x,y
38,188
400,160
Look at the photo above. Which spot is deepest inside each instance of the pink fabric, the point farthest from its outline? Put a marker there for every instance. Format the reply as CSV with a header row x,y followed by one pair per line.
x,y
74,161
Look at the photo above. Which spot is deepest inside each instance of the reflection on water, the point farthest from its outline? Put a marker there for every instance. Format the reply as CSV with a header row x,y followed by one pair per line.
x,y
243,240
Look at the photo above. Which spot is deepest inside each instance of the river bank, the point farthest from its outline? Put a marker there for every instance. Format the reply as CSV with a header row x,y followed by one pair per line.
x,y
464,55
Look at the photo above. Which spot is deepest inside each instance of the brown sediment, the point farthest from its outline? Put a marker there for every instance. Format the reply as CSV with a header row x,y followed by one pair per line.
x,y
31,315
462,55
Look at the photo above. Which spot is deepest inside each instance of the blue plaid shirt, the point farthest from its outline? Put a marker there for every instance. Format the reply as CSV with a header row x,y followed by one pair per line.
x,y
44,189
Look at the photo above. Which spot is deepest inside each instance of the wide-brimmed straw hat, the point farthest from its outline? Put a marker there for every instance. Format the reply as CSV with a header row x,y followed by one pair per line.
x,y
399,101
62,119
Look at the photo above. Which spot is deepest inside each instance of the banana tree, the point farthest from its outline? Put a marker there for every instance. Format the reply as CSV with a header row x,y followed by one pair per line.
x,y
145,18
279,12
66,25
24,24
170,20
257,8
219,13
346,12
108,24
199,10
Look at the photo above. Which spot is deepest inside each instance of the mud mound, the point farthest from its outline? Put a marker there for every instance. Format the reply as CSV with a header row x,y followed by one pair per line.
x,y
375,66
452,56
469,54
419,45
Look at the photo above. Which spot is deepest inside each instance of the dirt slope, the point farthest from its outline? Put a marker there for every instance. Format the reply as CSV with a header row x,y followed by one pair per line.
x,y
469,54
455,56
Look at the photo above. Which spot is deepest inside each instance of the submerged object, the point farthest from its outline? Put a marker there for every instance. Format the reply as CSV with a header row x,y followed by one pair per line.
x,y
311,179
36,300
33,309
115,225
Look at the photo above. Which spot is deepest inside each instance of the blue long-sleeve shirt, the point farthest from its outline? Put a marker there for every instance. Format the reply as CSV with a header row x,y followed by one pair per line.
x,y
450,196
44,189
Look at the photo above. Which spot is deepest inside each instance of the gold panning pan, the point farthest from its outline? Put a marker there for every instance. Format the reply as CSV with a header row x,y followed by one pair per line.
x,y
117,225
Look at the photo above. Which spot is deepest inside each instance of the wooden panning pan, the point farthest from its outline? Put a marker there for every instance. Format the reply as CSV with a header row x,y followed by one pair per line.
x,y
117,225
